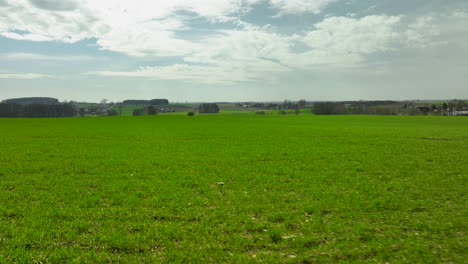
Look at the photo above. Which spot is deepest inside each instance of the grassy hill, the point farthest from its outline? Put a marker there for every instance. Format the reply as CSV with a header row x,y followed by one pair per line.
x,y
234,189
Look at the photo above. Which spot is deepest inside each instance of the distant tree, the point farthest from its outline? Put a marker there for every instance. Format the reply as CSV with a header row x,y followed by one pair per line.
x,y
460,105
272,106
138,112
329,108
302,103
146,102
288,105
159,102
68,110
208,108
136,102
104,101
152,110
48,110
11,110
296,109
258,105
120,107
82,111
32,100
112,112
444,106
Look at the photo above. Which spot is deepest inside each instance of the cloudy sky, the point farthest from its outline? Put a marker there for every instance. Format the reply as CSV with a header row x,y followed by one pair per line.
x,y
234,50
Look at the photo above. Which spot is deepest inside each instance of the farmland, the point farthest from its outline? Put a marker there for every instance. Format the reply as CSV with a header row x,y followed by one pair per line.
x,y
234,189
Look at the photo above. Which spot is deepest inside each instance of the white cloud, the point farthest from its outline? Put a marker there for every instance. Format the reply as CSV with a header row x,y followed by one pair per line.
x,y
124,11
34,56
420,33
57,5
148,28
24,21
31,37
230,56
345,41
301,6
436,29
152,38
343,35
257,53
233,46
348,41
23,76
137,27
225,74
193,73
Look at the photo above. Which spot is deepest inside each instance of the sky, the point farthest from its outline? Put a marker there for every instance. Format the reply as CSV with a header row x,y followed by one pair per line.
x,y
234,50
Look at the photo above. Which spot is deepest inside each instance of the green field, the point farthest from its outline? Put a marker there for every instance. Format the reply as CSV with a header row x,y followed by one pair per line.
x,y
234,189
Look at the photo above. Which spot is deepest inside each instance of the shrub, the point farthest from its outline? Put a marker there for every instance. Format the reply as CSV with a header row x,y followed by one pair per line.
x,y
191,113
112,112
139,112
152,110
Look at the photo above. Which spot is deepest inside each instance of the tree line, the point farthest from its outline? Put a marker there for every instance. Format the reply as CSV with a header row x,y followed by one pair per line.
x,y
32,100
149,110
388,108
146,102
37,110
205,108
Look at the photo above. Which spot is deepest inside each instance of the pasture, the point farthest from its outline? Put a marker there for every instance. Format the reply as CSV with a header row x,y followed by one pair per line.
x,y
234,189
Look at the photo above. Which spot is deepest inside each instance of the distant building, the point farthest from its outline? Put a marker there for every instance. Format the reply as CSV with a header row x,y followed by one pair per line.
x,y
458,113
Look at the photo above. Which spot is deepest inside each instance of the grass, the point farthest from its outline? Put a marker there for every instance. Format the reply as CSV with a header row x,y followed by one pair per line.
x,y
234,189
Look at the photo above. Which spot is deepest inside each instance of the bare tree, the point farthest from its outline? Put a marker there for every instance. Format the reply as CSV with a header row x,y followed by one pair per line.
x,y
302,103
